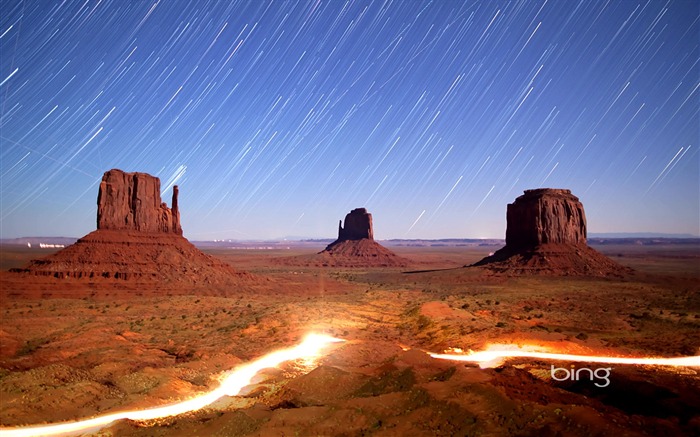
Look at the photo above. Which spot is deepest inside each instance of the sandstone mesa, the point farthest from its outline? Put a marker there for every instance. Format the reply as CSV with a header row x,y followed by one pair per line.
x,y
546,234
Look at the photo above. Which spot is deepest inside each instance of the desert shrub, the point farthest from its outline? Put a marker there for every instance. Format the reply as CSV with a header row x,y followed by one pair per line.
x,y
31,345
423,322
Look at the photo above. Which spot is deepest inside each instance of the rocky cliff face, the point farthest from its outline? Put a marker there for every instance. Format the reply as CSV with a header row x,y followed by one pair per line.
x,y
358,225
131,201
546,235
545,216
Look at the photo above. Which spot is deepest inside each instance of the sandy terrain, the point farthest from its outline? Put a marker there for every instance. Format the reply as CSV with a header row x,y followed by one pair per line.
x,y
72,349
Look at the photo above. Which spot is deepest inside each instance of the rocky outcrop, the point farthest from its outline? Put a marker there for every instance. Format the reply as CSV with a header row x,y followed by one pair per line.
x,y
544,216
138,238
131,201
175,213
355,247
358,225
546,234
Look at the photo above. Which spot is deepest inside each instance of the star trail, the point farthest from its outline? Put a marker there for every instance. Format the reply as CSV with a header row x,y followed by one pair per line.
x,y
277,118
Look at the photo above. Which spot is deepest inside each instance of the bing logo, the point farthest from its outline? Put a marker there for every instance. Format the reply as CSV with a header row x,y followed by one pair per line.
x,y
573,374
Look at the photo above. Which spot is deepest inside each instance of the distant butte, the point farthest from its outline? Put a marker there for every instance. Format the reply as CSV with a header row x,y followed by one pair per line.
x,y
546,234
138,238
355,246
358,225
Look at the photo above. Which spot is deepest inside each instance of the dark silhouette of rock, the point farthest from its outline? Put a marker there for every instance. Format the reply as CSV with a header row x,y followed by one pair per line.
x,y
131,201
358,225
175,225
138,238
546,234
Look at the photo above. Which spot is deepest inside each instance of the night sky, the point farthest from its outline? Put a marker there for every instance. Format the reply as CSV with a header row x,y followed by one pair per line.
x,y
278,118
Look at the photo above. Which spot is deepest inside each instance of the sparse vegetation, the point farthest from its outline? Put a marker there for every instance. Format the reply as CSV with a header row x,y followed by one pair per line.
x,y
185,339
30,346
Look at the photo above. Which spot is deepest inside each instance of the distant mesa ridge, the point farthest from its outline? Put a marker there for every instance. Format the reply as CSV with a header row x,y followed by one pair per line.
x,y
546,234
137,238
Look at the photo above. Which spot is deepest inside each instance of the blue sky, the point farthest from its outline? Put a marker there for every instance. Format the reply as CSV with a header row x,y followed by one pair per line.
x,y
276,119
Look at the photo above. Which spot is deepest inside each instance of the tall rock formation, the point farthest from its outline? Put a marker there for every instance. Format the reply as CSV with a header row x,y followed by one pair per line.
x,y
543,216
358,225
138,238
546,234
355,247
131,201
175,212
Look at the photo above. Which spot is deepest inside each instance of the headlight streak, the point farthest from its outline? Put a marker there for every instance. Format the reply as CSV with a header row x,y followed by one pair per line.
x,y
234,381
495,355
231,385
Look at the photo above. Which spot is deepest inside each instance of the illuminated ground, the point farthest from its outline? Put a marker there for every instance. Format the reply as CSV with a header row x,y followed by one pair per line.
x,y
82,350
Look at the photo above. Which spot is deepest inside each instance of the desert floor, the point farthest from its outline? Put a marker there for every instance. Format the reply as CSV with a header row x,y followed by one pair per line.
x,y
71,349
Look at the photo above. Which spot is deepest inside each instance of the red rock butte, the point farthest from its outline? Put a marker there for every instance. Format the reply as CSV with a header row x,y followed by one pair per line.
x,y
544,216
358,225
546,234
131,201
355,246
138,238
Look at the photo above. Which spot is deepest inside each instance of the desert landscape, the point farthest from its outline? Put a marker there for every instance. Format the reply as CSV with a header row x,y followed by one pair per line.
x,y
152,329
349,218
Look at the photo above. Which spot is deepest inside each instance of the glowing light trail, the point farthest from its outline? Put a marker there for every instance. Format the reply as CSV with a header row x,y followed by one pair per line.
x,y
231,385
495,355
236,380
